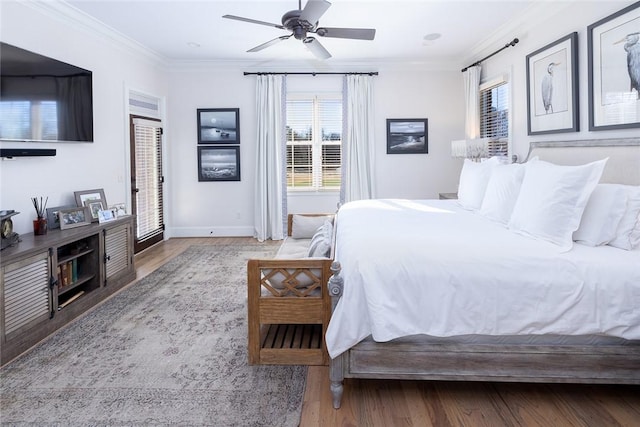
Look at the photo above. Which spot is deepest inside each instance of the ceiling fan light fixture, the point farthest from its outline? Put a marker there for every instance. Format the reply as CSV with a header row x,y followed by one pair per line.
x,y
305,20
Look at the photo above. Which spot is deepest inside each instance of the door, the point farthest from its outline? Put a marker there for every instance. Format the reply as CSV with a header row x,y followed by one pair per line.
x,y
146,181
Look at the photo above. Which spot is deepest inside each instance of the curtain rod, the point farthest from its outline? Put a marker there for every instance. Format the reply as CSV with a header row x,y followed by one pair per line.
x,y
512,43
311,73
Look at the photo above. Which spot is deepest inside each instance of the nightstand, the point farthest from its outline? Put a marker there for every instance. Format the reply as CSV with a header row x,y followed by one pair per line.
x,y
448,196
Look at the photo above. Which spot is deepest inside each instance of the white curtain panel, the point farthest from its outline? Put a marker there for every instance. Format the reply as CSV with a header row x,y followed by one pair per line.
x,y
471,79
269,217
358,139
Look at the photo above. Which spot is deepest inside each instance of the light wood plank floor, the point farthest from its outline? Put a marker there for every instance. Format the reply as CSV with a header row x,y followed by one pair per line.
x,y
431,403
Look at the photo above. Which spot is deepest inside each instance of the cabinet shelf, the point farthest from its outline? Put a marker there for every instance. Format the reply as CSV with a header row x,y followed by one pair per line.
x,y
71,257
81,280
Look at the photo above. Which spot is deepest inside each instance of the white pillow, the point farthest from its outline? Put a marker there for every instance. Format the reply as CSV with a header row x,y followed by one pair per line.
x,y
303,227
628,232
320,245
601,216
474,178
502,192
552,199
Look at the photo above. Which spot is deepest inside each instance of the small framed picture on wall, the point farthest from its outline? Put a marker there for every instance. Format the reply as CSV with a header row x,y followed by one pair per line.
x,y
219,126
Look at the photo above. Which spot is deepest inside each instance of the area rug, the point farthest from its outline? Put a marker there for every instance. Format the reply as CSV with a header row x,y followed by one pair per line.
x,y
169,350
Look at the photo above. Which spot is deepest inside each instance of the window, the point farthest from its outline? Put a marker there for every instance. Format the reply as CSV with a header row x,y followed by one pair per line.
x,y
494,116
314,142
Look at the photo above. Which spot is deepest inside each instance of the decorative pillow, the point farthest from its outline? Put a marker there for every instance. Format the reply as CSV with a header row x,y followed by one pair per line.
x,y
474,178
601,216
303,226
628,232
502,192
320,245
552,199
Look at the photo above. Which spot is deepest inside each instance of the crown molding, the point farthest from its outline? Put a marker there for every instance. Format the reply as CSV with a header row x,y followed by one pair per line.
x,y
64,12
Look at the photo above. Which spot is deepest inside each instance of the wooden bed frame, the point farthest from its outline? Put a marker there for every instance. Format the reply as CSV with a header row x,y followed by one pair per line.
x,y
417,358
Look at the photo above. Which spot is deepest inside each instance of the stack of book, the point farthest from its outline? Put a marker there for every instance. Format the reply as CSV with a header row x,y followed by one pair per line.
x,y
67,273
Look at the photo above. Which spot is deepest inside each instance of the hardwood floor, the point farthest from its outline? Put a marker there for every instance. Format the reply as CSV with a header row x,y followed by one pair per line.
x,y
432,403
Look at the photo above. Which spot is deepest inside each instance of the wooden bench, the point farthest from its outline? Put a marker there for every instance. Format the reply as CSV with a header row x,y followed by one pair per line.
x,y
288,306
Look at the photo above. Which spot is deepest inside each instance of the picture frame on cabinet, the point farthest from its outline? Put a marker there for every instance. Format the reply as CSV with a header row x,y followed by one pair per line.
x,y
218,125
552,87
614,70
95,206
106,215
53,219
74,217
407,136
93,197
219,163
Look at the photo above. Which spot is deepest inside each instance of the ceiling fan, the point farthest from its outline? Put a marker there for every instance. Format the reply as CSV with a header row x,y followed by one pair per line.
x,y
303,21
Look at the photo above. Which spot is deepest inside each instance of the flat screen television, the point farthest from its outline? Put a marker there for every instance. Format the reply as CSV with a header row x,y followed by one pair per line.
x,y
43,99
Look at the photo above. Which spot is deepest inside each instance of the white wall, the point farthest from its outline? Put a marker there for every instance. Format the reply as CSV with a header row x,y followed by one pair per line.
x,y
209,208
77,166
533,36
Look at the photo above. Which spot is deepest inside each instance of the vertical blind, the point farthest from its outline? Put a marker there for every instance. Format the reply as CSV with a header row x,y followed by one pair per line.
x,y
314,143
494,117
148,164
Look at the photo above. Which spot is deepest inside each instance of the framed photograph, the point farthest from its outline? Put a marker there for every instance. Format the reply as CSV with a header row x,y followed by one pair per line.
x,y
53,220
94,206
106,215
120,209
74,217
407,136
552,87
614,70
219,163
219,126
91,197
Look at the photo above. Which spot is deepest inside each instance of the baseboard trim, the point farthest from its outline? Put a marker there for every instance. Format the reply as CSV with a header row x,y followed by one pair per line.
x,y
240,231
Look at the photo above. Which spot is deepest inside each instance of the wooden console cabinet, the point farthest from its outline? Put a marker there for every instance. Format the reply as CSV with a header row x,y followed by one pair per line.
x,y
46,281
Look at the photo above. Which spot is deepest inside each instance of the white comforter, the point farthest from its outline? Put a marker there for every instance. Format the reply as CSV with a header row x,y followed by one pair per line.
x,y
430,267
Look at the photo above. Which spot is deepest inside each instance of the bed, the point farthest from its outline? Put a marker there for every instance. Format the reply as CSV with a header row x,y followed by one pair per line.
x,y
409,305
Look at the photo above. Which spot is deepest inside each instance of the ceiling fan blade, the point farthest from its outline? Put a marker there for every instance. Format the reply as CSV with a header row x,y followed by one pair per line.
x,y
253,21
269,43
316,48
347,33
313,10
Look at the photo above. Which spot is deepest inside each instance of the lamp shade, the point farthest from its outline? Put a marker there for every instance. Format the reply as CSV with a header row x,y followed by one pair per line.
x,y
470,148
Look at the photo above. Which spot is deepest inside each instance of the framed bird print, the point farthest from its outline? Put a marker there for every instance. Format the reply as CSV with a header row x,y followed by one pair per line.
x,y
552,87
613,46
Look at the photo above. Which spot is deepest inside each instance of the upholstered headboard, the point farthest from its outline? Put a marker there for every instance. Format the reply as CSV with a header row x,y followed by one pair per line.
x,y
623,166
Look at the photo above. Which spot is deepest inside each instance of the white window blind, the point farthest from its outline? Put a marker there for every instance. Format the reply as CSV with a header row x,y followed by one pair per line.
x,y
148,164
494,117
314,142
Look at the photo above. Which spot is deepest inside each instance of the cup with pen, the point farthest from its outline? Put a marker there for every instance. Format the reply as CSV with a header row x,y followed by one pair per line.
x,y
40,223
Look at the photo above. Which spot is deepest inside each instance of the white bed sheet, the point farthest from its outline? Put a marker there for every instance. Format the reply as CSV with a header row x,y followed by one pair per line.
x,y
430,267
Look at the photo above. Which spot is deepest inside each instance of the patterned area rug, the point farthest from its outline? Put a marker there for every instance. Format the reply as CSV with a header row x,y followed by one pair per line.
x,y
170,349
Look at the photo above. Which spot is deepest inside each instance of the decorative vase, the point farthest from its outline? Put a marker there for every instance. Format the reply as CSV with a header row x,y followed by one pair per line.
x,y
40,226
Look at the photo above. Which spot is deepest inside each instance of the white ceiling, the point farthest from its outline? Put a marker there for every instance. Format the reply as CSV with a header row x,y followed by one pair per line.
x,y
170,28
